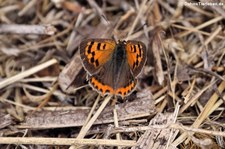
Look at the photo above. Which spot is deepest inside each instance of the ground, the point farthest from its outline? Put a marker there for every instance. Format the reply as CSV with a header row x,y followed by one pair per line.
x,y
47,102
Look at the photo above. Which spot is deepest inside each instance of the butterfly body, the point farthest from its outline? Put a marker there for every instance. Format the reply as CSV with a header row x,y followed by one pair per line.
x,y
116,66
112,67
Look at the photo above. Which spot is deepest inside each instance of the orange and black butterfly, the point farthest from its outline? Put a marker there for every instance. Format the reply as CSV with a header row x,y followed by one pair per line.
x,y
113,67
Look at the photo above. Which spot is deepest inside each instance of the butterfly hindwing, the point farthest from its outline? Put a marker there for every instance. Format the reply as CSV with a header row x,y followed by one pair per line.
x,y
105,89
127,89
95,53
97,85
136,56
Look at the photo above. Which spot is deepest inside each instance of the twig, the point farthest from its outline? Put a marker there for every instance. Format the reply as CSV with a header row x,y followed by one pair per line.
x,y
27,7
42,90
203,115
99,11
26,73
197,31
89,115
41,79
64,141
137,18
88,125
116,124
194,98
197,130
214,20
27,29
174,126
25,107
98,112
176,112
198,10
213,35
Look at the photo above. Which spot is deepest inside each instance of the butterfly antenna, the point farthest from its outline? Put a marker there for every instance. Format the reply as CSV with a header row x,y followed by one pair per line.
x,y
114,38
106,21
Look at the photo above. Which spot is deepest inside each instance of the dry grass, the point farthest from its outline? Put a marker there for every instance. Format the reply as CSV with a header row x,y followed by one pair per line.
x,y
44,97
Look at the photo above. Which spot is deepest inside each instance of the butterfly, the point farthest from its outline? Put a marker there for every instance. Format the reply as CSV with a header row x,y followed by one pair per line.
x,y
112,67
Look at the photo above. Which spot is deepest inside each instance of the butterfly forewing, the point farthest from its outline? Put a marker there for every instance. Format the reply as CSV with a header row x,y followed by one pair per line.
x,y
136,56
95,53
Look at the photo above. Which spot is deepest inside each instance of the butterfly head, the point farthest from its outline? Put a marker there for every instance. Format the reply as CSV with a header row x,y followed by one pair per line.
x,y
122,42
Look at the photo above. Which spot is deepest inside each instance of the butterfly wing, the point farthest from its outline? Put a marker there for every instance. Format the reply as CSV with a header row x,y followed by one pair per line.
x,y
95,53
136,56
105,89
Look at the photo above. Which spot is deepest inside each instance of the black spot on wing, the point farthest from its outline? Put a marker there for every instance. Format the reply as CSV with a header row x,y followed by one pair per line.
x,y
137,56
133,65
137,63
92,60
139,46
139,51
134,48
104,46
96,63
99,46
90,46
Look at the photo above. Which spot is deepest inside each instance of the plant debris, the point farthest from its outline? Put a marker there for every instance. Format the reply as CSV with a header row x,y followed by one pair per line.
x,y
45,99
